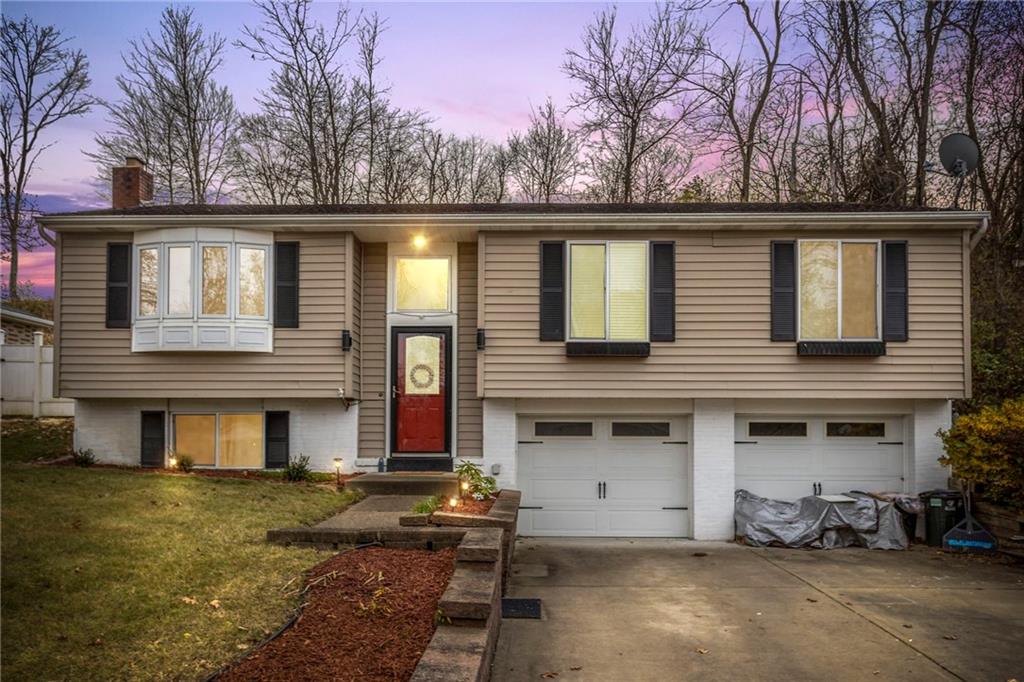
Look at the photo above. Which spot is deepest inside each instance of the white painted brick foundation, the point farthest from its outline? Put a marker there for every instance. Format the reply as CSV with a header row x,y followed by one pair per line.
x,y
929,417
499,439
321,430
714,469
112,428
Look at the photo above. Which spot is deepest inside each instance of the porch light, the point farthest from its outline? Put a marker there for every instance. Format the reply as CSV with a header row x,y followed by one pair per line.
x,y
419,241
453,502
337,470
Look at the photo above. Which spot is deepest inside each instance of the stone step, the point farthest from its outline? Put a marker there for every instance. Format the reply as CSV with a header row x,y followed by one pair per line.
x,y
424,483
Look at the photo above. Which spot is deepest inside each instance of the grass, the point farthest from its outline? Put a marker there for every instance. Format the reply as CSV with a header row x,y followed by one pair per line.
x,y
111,574
24,440
427,506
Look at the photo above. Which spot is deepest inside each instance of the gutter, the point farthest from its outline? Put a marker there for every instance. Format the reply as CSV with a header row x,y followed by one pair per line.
x,y
528,222
980,233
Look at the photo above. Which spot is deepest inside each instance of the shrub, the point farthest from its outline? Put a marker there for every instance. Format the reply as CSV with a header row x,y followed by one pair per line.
x,y
480,487
185,463
298,469
427,506
83,458
987,448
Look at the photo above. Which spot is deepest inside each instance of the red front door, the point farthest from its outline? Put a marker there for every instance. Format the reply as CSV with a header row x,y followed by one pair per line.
x,y
420,391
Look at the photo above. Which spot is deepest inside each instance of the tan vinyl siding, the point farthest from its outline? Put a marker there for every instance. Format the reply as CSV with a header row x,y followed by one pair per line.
x,y
355,371
723,311
470,412
373,356
97,362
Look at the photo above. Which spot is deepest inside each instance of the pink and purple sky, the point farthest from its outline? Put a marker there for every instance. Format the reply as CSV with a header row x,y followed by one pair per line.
x,y
474,67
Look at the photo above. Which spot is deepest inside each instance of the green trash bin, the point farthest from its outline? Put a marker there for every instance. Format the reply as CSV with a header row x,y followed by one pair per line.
x,y
943,509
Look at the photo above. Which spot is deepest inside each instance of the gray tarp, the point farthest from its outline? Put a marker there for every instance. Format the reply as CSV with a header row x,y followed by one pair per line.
x,y
814,522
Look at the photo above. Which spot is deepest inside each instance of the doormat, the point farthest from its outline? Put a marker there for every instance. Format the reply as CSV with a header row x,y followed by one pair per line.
x,y
520,608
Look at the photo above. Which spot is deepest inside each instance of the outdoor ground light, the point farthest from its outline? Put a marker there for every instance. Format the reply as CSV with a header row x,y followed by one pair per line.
x,y
465,487
453,502
337,470
172,462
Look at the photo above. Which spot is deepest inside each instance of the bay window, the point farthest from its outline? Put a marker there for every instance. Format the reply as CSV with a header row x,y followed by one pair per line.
x,y
202,289
838,290
608,291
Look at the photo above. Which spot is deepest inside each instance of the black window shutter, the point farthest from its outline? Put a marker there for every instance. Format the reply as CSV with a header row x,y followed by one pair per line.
x,y
552,291
277,439
783,304
286,284
894,291
663,291
119,286
152,439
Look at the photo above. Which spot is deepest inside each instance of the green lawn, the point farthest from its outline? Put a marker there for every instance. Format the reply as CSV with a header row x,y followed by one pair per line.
x,y
101,567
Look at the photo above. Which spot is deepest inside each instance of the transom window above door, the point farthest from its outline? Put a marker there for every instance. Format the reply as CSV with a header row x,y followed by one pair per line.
x,y
422,284
608,291
838,290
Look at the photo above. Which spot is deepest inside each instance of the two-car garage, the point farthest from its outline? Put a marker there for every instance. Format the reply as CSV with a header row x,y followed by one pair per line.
x,y
630,476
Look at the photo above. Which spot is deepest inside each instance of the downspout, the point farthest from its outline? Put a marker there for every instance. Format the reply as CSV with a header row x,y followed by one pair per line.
x,y
980,233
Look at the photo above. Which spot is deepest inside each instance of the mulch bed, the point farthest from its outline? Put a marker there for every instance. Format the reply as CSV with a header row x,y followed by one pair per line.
x,y
248,474
345,632
471,506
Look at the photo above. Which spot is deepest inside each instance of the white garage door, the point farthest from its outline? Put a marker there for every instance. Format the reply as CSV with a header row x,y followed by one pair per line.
x,y
604,476
786,458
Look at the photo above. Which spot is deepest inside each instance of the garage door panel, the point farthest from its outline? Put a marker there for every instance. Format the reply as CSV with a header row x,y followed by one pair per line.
x,y
564,521
559,477
642,523
788,468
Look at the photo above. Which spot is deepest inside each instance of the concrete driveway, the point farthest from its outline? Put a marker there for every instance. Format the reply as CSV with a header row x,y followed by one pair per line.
x,y
631,610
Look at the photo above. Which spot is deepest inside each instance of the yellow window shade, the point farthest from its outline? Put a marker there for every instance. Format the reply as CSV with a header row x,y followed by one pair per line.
x,y
819,290
627,291
587,291
860,297
241,440
195,436
421,284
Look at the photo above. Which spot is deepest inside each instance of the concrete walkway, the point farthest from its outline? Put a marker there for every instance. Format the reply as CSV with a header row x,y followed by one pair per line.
x,y
375,511
673,610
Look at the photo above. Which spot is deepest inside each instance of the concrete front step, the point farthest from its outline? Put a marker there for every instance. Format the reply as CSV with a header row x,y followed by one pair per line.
x,y
424,483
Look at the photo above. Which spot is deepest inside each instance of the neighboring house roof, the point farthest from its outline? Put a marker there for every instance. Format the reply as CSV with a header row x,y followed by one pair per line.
x,y
9,313
499,209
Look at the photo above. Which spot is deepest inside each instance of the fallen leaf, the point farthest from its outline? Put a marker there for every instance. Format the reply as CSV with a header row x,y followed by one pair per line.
x,y
813,601
549,675
97,642
189,600
702,651
215,603
243,646
908,626
700,554
950,637
576,667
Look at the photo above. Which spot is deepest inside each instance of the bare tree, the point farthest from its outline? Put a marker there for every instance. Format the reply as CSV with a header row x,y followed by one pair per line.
x,y
634,94
311,96
264,171
545,158
399,164
43,82
739,90
172,112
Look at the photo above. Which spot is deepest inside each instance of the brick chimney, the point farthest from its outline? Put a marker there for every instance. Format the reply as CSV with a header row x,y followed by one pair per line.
x,y
131,184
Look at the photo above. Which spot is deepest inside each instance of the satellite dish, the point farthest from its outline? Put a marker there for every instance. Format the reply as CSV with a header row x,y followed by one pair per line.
x,y
958,154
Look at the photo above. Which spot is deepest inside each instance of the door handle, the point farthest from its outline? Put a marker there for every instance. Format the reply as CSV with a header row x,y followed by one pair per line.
x,y
604,489
394,391
599,490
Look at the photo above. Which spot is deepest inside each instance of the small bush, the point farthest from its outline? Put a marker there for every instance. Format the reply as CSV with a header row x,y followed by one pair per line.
x,y
480,487
83,458
427,506
185,463
298,469
987,448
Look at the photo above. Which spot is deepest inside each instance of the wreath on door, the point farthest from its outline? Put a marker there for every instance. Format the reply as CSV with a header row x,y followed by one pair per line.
x,y
421,376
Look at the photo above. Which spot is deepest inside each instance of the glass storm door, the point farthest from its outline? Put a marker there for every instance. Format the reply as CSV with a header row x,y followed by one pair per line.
x,y
420,403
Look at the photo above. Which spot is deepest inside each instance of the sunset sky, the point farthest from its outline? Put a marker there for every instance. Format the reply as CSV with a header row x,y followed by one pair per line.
x,y
474,68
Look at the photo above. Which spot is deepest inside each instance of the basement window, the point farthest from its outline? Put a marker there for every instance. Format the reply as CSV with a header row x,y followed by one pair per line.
x,y
224,440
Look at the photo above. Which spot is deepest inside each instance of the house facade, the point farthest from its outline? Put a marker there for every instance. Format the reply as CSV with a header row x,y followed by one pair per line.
x,y
626,367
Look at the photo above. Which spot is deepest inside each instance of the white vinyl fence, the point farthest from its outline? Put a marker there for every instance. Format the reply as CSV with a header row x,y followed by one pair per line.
x,y
26,381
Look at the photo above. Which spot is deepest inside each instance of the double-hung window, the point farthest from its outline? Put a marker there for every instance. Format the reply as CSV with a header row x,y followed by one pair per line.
x,y
838,284
608,291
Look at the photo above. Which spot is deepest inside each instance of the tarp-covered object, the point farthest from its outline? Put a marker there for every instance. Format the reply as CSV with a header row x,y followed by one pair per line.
x,y
814,522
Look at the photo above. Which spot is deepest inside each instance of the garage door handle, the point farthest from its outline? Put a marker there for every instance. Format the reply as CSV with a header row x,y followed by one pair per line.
x,y
745,442
530,442
675,442
677,508
890,442
522,507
